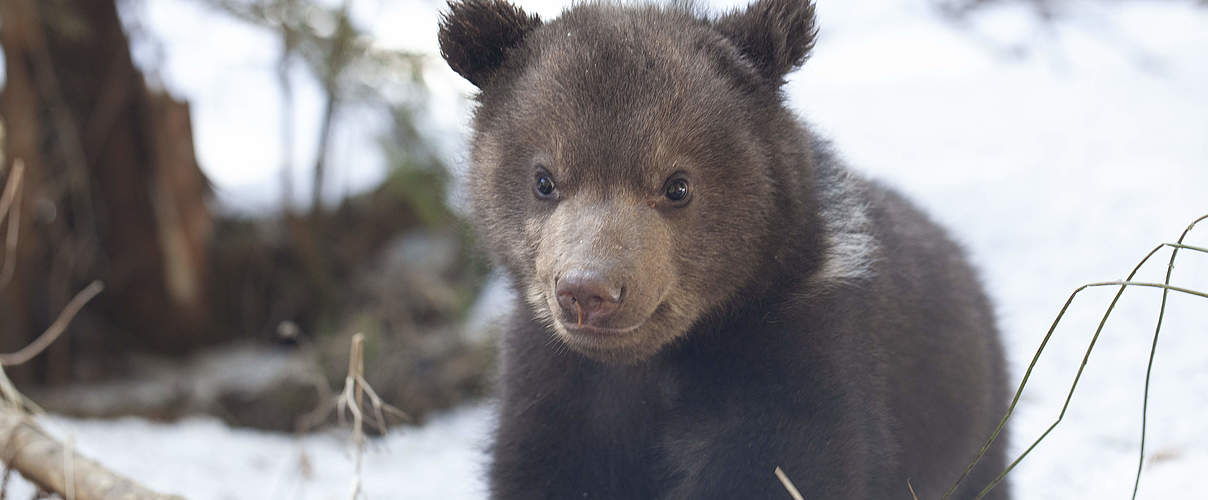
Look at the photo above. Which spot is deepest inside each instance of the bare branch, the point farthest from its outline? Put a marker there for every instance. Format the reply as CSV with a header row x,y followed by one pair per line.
x,y
51,334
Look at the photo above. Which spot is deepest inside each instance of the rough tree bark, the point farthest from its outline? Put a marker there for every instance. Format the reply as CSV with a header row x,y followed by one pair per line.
x,y
112,190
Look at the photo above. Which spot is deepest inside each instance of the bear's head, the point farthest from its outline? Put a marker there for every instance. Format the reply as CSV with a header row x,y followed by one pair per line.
x,y
633,168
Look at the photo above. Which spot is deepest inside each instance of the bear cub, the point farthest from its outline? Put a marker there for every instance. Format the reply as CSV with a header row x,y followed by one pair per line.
x,y
705,293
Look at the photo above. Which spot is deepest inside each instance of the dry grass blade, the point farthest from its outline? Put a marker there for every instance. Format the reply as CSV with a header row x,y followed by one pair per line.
x,y
348,400
11,188
8,472
352,400
52,333
10,203
788,484
1123,285
69,469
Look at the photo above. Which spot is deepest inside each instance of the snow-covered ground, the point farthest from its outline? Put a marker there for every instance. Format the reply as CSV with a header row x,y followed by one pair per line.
x,y
1058,156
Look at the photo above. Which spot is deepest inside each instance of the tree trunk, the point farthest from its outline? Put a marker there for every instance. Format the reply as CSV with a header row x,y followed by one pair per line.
x,y
112,190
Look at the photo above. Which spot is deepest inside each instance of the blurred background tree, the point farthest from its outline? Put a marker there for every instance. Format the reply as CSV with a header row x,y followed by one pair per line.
x,y
1045,9
114,192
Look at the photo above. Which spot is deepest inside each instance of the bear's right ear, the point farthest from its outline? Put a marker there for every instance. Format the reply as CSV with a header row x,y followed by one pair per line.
x,y
774,35
475,35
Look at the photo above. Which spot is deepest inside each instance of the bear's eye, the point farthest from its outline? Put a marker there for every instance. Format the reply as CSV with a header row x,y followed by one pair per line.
x,y
677,190
544,185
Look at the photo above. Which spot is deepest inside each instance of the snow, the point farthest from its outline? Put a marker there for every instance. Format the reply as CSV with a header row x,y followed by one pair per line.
x,y
1058,156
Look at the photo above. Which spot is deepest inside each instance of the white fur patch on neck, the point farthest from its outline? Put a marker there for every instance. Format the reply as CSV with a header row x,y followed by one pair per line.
x,y
851,248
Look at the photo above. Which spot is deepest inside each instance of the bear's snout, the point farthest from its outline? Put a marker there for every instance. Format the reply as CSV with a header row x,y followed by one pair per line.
x,y
604,267
587,298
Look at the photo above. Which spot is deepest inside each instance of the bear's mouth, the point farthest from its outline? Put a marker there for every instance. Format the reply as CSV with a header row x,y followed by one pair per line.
x,y
601,343
588,330
624,345
599,336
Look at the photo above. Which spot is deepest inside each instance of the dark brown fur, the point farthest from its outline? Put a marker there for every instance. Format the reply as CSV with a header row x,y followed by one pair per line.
x,y
789,314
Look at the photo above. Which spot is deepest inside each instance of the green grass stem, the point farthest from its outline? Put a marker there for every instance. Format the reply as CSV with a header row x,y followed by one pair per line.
x,y
1153,348
1124,284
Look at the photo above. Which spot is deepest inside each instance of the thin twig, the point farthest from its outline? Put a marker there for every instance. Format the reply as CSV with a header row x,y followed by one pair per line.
x,y
12,399
69,468
381,408
48,337
344,401
351,399
8,471
353,393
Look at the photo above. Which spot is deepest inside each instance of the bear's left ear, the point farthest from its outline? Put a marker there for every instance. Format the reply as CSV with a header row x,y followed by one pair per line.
x,y
475,36
775,35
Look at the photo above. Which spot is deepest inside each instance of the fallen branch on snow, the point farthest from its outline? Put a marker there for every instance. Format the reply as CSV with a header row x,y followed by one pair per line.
x,y
47,463
42,459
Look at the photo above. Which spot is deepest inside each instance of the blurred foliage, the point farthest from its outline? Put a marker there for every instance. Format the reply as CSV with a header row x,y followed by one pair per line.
x,y
1046,10
416,173
961,8
352,70
333,49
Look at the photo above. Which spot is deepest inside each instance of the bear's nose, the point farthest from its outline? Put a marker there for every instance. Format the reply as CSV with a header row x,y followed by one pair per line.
x,y
587,298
